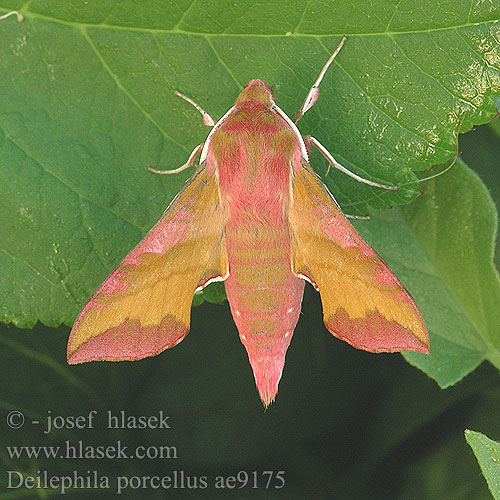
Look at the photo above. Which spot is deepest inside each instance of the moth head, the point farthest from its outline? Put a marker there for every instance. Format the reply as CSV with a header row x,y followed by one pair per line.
x,y
255,92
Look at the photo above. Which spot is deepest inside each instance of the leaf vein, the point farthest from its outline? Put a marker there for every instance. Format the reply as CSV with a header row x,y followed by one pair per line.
x,y
396,7
181,20
125,91
226,67
80,26
65,183
302,16
36,271
433,78
411,132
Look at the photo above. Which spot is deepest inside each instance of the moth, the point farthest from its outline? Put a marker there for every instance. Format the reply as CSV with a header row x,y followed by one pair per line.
x,y
256,216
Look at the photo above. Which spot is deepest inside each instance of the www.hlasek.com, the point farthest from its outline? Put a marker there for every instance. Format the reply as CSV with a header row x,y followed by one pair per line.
x,y
81,450
177,479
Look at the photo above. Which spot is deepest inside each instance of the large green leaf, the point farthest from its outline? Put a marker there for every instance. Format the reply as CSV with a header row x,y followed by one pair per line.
x,y
455,224
87,104
480,150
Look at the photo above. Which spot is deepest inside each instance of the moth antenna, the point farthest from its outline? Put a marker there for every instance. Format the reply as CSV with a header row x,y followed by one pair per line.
x,y
455,156
19,16
312,96
334,163
192,157
207,119
357,217
454,160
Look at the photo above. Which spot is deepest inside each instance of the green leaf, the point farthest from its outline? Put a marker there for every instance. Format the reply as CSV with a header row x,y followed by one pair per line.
x,y
480,150
87,105
456,223
441,246
487,453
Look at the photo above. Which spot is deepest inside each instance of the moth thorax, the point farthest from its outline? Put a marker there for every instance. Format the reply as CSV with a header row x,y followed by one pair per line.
x,y
256,92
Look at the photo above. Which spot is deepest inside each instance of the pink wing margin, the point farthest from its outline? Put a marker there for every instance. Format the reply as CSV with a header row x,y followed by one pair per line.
x,y
363,301
144,305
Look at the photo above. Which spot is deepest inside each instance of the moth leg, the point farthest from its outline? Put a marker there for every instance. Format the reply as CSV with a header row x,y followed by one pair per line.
x,y
207,119
312,96
19,16
357,217
311,141
189,163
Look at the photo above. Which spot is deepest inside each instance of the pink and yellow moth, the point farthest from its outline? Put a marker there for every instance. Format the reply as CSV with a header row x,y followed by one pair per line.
x,y
256,216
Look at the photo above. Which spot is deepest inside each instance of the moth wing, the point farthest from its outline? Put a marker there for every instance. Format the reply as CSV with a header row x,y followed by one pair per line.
x,y
143,307
363,301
